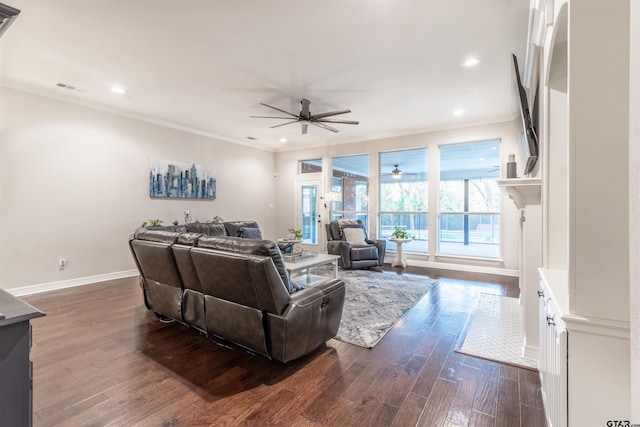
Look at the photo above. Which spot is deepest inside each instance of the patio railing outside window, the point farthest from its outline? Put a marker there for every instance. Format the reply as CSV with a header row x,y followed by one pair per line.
x,y
415,223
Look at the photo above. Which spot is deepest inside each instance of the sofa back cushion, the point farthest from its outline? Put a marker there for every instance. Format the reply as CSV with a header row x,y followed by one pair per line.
x,y
178,228
181,252
207,228
233,227
152,250
262,263
162,282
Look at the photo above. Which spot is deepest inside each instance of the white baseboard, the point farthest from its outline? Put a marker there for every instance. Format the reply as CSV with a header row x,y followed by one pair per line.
x,y
52,286
530,352
458,267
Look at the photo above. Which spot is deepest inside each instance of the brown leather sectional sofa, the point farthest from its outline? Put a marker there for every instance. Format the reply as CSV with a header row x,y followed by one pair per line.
x,y
234,288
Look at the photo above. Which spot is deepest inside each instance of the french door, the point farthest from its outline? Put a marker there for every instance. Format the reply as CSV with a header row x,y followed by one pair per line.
x,y
309,213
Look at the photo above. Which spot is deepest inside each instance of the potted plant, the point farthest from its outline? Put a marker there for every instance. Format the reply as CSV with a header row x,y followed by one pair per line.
x,y
152,223
399,233
217,219
297,234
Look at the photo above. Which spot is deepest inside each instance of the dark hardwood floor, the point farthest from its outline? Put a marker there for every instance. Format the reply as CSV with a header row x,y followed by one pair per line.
x,y
101,359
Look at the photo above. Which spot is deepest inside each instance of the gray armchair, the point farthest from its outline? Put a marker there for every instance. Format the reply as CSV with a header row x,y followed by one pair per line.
x,y
355,249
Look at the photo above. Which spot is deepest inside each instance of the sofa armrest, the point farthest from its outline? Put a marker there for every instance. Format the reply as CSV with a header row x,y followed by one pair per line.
x,y
311,319
310,294
345,253
382,247
342,248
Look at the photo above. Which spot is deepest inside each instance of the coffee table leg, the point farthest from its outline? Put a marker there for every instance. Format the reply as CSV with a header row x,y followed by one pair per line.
x,y
335,268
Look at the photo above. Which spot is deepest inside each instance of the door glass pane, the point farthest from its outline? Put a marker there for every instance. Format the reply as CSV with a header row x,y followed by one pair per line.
x,y
309,219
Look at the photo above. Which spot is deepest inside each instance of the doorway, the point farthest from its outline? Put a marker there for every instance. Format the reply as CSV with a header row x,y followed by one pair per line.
x,y
309,213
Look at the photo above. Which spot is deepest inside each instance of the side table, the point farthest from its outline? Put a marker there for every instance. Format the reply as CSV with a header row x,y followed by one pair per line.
x,y
399,261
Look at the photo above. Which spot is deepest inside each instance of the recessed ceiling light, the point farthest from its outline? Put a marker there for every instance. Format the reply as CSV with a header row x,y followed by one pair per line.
x,y
458,112
283,140
118,90
471,62
482,159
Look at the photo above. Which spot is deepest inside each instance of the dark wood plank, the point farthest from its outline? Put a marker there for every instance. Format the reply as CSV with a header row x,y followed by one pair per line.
x,y
101,359
410,411
486,397
461,410
438,404
508,408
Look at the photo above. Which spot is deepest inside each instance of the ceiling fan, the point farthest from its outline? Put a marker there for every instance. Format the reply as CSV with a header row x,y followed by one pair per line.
x,y
397,173
306,118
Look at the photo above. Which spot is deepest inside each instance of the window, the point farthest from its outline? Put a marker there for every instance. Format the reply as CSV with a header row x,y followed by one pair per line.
x,y
469,222
350,188
310,166
403,197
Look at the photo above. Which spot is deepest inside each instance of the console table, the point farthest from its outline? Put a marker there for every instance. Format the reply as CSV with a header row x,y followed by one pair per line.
x,y
15,366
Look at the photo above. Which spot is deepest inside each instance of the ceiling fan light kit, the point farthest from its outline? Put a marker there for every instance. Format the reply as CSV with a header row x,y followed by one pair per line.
x,y
306,118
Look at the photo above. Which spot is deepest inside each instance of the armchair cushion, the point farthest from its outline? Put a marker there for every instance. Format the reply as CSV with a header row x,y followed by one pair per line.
x,y
355,236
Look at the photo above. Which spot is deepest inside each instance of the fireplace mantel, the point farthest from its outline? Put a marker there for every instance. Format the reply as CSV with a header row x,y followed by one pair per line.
x,y
523,191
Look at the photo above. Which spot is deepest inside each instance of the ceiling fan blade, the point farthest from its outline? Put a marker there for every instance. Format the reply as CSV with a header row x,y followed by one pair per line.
x,y
304,111
305,127
344,122
330,113
278,109
284,124
323,126
270,117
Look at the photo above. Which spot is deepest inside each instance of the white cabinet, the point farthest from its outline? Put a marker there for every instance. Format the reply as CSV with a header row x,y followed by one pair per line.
x,y
585,142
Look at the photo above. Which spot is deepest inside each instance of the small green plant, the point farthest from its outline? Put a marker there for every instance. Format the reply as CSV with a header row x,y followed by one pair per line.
x,y
297,234
399,233
152,223
217,219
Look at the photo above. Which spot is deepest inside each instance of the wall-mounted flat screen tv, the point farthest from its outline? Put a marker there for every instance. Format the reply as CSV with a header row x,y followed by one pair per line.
x,y
530,137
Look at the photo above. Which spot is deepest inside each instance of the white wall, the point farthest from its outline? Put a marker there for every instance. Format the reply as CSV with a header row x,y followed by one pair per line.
x,y
507,132
634,206
74,184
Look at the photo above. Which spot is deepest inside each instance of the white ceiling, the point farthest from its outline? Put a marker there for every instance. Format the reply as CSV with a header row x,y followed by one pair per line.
x,y
207,65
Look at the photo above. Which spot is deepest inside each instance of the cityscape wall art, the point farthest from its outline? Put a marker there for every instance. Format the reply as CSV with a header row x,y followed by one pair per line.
x,y
180,180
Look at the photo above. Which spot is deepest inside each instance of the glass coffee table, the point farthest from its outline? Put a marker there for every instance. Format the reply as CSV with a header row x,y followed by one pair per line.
x,y
300,270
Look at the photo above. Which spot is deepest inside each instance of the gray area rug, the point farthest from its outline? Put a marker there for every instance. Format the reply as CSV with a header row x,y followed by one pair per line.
x,y
375,302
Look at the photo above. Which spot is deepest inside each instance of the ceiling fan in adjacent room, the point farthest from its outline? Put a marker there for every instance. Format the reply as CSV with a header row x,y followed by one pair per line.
x,y
306,118
397,173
